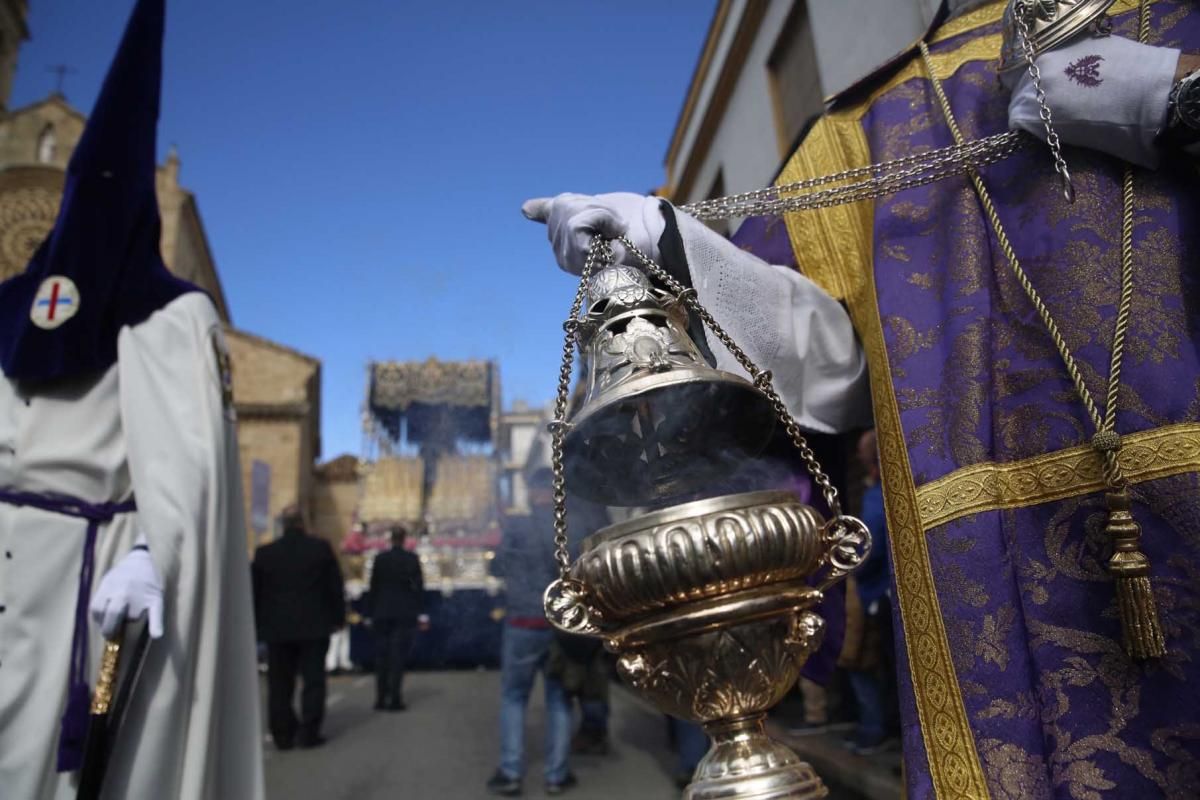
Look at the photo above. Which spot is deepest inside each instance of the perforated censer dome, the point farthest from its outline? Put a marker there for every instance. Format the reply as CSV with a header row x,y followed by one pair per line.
x,y
656,421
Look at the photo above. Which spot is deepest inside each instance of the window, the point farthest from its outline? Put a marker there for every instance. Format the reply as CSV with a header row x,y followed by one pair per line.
x,y
47,145
794,77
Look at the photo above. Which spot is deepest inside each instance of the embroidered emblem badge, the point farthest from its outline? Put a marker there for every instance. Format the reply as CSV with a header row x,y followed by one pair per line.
x,y
1085,71
56,301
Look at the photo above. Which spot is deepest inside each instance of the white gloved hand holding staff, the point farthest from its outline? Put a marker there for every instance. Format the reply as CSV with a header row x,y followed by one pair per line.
x,y
131,589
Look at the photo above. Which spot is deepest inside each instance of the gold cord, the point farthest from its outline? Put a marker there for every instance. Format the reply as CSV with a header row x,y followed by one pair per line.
x,y
1142,631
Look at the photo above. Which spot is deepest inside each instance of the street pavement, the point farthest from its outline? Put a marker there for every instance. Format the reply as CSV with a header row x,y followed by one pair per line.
x,y
446,746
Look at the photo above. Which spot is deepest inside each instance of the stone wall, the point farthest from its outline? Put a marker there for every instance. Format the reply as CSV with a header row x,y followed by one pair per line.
x,y
13,31
275,392
334,498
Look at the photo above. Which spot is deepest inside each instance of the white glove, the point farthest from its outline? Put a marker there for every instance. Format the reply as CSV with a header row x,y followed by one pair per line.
x,y
573,219
127,591
1105,93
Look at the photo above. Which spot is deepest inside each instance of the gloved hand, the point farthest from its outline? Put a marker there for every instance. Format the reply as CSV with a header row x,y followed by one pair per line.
x,y
1105,93
127,591
573,219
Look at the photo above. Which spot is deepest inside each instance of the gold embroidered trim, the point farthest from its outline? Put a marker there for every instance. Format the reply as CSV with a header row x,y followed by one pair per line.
x,y
835,248
969,21
992,11
832,245
1145,456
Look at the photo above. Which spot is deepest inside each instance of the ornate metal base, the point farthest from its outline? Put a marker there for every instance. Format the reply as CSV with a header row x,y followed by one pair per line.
x,y
746,764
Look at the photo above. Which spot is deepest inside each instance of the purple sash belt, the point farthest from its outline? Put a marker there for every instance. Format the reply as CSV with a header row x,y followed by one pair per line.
x,y
73,730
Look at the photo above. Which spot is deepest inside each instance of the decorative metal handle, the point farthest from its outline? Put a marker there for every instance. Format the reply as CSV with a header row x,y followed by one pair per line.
x,y
848,543
568,609
106,682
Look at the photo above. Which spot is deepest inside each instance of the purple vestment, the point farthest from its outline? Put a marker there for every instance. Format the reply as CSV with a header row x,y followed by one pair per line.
x,y
1013,678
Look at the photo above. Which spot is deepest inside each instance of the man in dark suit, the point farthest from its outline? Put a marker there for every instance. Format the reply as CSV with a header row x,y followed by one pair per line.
x,y
298,603
394,605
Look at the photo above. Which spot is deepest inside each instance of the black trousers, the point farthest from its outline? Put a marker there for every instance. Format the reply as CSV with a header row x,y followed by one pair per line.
x,y
393,638
286,660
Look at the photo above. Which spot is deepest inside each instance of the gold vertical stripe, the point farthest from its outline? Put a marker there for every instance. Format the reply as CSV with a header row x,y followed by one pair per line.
x,y
834,247
830,243
953,759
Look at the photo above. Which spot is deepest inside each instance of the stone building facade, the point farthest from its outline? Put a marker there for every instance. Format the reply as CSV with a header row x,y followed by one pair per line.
x,y
335,497
277,396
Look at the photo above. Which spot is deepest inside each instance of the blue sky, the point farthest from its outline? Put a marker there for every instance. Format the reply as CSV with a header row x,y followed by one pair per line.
x,y
360,165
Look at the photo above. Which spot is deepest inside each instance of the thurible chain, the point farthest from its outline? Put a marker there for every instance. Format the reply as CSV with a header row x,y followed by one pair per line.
x,y
602,251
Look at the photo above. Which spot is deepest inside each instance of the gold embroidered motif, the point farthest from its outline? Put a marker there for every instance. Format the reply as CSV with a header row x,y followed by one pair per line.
x,y
1144,456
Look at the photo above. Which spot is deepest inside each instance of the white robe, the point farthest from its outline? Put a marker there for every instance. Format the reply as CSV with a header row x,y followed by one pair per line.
x,y
786,324
154,427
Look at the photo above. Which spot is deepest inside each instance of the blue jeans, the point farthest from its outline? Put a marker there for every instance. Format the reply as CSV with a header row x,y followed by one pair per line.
x,y
868,691
522,655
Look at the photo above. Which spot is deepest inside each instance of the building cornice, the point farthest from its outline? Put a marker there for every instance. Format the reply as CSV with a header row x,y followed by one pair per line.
x,y
272,410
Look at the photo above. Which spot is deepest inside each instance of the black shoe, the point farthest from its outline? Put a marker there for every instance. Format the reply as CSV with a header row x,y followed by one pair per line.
x,y
397,705
379,705
309,742
590,743
503,785
561,786
284,744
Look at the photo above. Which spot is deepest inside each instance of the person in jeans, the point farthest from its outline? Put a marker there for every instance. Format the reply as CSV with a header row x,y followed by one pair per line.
x,y
298,603
395,602
870,676
526,562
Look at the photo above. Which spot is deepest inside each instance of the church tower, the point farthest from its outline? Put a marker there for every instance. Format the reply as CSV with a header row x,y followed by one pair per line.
x,y
12,32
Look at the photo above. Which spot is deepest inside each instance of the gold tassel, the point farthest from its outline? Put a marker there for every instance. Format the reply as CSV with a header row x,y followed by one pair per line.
x,y
1130,569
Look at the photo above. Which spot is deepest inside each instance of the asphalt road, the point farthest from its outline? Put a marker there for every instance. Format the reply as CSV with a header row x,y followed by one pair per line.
x,y
446,746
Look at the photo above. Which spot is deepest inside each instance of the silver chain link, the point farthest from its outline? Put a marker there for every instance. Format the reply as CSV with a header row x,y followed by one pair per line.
x,y
887,177
1021,12
600,250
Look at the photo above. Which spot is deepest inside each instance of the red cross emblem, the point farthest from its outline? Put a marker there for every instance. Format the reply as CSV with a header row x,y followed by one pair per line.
x,y
56,301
